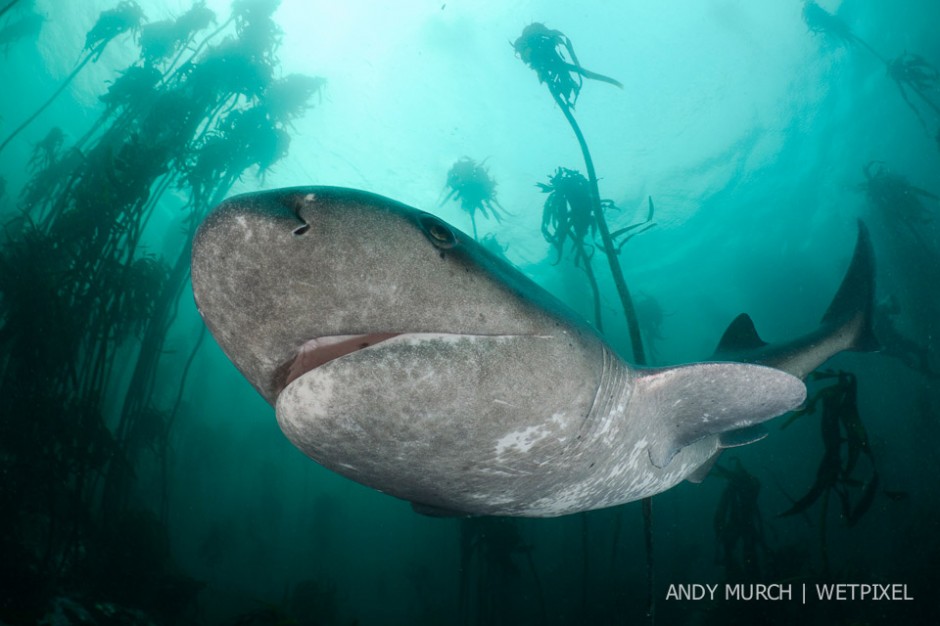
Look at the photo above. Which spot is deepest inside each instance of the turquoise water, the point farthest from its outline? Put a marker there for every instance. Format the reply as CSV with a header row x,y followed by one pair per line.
x,y
750,133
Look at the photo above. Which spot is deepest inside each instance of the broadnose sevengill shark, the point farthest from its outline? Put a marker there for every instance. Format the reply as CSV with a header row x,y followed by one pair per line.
x,y
400,353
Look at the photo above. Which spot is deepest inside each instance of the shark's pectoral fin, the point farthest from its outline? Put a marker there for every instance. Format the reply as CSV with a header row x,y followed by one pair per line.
x,y
729,439
690,403
701,473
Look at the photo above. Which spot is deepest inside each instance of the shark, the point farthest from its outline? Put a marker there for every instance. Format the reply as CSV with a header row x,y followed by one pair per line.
x,y
400,353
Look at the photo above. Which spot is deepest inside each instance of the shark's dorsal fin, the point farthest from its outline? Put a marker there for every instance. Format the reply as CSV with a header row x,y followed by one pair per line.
x,y
686,404
740,336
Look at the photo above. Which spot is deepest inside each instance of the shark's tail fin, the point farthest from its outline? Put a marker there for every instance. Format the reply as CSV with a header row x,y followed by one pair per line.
x,y
854,303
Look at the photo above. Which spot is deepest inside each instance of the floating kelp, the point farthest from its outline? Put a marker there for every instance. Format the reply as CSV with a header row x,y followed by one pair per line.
x,y
899,202
915,354
820,21
912,72
46,151
470,183
845,442
490,548
26,27
568,214
132,88
895,196
159,41
126,17
551,54
909,71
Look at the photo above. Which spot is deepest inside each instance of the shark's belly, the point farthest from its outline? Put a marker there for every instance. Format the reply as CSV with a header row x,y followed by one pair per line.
x,y
503,425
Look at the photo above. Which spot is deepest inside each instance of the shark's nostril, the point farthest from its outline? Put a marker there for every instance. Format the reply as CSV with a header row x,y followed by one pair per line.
x,y
300,230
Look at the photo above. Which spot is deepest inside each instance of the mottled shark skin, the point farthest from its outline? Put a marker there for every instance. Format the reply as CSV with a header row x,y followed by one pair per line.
x,y
400,353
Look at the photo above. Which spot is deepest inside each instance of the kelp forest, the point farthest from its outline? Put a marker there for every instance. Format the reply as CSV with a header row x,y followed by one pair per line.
x,y
83,289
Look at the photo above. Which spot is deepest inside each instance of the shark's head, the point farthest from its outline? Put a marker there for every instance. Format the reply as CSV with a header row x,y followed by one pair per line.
x,y
290,279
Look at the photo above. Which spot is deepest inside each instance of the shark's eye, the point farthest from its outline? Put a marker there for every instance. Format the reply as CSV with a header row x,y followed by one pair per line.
x,y
438,232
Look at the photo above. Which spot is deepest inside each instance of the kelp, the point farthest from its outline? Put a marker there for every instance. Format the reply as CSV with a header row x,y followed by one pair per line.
x,y
912,352
126,17
78,290
568,216
910,72
490,548
821,21
899,202
470,183
9,5
26,27
159,41
551,54
845,443
739,525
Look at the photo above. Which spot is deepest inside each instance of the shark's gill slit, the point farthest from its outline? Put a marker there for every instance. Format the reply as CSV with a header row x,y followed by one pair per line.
x,y
322,350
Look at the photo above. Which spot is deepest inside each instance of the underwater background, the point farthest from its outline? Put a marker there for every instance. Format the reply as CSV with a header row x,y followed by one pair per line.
x,y
143,480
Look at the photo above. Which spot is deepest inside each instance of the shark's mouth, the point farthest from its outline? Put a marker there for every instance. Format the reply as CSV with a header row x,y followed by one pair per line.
x,y
322,350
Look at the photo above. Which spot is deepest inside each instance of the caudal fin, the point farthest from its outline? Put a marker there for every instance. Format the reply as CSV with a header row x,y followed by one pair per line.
x,y
854,303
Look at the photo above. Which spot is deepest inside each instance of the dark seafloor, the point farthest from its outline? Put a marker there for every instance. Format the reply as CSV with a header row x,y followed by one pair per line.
x,y
142,479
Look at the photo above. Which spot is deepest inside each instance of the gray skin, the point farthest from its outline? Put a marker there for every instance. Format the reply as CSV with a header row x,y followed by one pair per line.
x,y
474,391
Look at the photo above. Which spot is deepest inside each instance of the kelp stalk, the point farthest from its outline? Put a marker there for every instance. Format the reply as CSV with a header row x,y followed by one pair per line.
x,y
542,49
9,6
629,310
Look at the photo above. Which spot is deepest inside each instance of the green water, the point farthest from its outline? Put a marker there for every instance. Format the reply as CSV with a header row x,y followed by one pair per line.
x,y
750,132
